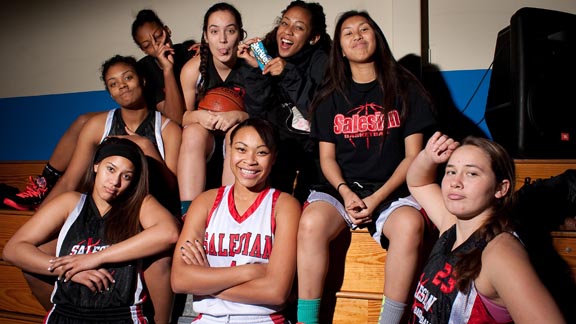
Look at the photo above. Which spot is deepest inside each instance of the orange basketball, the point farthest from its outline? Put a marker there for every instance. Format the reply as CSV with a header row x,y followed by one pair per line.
x,y
221,99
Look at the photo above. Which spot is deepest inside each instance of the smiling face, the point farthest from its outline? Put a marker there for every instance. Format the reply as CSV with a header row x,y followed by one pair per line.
x,y
151,33
357,39
124,85
469,186
294,31
222,35
251,159
114,174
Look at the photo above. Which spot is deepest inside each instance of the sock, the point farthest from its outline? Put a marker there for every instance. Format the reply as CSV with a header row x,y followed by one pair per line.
x,y
308,311
391,311
184,204
51,175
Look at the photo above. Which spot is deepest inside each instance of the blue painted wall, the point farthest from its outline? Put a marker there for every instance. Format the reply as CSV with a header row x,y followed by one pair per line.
x,y
31,126
469,90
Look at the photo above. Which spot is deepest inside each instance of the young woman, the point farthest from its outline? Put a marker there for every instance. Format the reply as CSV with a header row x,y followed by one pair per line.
x,y
161,67
103,235
159,139
299,45
370,120
478,271
237,251
156,135
162,63
219,64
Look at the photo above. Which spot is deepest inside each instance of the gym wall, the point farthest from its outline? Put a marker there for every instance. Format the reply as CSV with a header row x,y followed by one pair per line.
x,y
52,51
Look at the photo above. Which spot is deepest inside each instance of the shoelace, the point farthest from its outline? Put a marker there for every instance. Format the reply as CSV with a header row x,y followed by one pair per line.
x,y
32,189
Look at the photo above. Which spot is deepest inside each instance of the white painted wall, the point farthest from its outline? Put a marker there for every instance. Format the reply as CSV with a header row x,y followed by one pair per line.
x,y
54,47
463,32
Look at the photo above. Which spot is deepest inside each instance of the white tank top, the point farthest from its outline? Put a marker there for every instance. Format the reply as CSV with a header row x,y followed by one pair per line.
x,y
232,239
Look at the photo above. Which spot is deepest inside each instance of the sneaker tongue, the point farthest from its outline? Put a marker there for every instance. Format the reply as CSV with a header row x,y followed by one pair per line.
x,y
41,182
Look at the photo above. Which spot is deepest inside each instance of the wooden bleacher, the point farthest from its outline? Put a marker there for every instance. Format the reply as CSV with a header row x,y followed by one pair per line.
x,y
357,285
360,295
17,304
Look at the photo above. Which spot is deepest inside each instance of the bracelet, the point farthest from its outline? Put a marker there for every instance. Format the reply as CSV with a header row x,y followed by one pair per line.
x,y
340,185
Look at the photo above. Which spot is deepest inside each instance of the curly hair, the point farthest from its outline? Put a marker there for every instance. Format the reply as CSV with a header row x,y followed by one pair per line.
x,y
265,129
117,59
144,16
317,22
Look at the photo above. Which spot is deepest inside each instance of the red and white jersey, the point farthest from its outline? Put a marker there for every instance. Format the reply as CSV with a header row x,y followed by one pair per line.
x,y
232,239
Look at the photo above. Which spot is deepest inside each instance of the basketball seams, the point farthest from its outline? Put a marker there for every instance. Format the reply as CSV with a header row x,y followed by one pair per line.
x,y
221,99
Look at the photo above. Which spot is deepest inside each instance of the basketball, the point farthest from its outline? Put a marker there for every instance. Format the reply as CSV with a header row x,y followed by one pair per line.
x,y
221,100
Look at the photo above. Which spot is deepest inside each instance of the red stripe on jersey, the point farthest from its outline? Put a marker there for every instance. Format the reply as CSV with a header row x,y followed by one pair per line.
x,y
216,203
232,205
275,196
278,318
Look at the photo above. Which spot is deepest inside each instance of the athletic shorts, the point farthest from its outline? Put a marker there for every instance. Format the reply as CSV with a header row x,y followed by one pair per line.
x,y
380,216
239,319
67,314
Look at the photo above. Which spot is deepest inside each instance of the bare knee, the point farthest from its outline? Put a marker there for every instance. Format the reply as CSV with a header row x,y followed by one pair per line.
x,y
308,226
82,119
79,122
195,138
406,226
320,222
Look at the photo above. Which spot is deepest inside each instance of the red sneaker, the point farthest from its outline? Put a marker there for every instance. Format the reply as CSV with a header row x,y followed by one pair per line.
x,y
36,190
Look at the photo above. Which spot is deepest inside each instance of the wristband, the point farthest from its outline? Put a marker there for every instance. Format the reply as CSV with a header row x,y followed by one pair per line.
x,y
340,185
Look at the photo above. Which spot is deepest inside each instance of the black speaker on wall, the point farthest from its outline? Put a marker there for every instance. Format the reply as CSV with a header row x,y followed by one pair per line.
x,y
531,105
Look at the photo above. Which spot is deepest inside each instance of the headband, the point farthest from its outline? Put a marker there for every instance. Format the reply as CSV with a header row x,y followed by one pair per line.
x,y
130,152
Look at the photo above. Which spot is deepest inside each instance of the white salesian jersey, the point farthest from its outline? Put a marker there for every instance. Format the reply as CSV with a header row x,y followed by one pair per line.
x,y
232,239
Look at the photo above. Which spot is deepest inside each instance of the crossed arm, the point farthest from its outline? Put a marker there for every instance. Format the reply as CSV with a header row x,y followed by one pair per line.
x,y
250,283
160,232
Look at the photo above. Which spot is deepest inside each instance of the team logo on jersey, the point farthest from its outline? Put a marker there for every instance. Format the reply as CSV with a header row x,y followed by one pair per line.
x,y
364,122
226,244
87,246
423,296
424,299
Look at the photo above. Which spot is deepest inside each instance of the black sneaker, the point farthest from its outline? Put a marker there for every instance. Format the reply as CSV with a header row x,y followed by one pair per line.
x,y
7,191
29,199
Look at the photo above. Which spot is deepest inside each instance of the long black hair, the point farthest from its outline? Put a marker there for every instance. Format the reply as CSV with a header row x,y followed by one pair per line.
x,y
123,220
205,55
394,81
